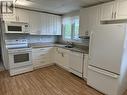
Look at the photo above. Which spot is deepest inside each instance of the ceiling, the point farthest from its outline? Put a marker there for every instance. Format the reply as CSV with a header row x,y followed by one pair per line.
x,y
56,6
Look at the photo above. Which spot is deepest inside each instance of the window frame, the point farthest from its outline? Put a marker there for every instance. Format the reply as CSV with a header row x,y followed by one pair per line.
x,y
72,29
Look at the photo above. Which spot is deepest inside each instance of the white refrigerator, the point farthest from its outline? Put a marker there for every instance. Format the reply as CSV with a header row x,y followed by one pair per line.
x,y
107,69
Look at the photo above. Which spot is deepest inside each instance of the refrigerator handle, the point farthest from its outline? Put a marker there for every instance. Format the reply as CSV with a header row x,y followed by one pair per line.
x,y
106,73
90,45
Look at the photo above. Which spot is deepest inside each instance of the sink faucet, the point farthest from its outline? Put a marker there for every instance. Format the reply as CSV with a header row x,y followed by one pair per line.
x,y
70,44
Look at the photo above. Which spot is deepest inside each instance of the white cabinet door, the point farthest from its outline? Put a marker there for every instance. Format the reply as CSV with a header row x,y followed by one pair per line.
x,y
22,15
58,23
121,10
62,57
41,57
84,27
93,17
43,24
51,24
35,23
89,18
9,17
107,11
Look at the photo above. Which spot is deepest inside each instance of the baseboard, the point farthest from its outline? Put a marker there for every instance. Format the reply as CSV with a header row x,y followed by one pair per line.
x,y
67,69
39,67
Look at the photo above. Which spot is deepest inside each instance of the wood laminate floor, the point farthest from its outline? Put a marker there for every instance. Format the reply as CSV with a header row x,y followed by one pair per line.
x,y
46,81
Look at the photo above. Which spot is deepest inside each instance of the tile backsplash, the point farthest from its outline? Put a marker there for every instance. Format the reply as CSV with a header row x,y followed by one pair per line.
x,y
32,38
44,39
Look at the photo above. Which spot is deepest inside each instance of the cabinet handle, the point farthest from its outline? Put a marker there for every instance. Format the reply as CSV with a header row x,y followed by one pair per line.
x,y
115,15
112,15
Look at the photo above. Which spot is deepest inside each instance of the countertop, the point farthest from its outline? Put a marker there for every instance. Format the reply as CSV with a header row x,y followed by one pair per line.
x,y
43,45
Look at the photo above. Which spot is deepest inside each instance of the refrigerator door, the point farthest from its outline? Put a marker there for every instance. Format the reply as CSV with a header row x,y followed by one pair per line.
x,y
106,47
103,81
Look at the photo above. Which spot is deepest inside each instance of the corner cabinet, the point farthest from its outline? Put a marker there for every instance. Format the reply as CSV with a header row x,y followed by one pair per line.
x,y
115,10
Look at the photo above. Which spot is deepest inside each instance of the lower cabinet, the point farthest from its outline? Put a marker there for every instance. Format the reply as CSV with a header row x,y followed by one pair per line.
x,y
41,57
62,57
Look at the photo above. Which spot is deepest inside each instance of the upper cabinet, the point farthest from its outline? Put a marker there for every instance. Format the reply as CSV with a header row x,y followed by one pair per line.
x,y
51,24
107,11
115,10
44,24
18,16
22,15
121,9
40,23
89,18
83,28
35,23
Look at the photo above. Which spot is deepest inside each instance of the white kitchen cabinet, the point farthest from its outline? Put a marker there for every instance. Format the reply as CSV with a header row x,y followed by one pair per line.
x,y
115,10
52,24
19,15
22,15
84,27
85,68
89,18
121,9
45,24
107,11
58,25
35,23
41,57
62,57
9,17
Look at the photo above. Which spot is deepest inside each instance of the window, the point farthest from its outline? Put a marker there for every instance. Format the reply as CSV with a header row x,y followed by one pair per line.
x,y
71,28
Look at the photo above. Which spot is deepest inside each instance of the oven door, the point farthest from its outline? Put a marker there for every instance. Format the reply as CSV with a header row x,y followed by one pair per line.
x,y
20,59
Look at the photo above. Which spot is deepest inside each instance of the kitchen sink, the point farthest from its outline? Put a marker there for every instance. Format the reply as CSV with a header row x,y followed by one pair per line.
x,y
68,46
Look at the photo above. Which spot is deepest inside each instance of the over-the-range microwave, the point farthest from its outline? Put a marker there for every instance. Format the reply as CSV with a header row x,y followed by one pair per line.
x,y
16,27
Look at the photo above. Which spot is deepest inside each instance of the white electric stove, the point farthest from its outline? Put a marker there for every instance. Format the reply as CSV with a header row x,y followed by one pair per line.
x,y
20,56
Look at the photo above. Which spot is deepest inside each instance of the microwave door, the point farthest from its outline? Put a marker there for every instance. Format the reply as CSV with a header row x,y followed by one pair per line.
x,y
14,29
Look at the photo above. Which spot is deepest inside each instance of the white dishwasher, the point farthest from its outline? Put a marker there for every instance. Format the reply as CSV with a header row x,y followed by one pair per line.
x,y
76,63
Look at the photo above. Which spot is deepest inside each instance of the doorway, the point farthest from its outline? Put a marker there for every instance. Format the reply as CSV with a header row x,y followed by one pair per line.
x,y
1,61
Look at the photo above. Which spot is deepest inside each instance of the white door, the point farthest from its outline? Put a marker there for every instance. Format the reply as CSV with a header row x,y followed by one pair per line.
x,y
107,11
93,17
84,19
106,47
43,24
35,23
22,15
121,10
